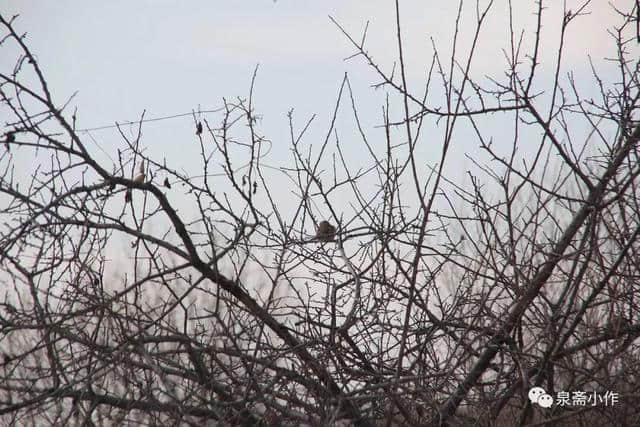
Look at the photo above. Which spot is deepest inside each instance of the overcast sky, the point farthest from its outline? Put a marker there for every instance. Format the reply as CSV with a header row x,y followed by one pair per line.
x,y
169,57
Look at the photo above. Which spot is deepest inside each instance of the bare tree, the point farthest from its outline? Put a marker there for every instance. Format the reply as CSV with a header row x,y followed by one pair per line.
x,y
391,293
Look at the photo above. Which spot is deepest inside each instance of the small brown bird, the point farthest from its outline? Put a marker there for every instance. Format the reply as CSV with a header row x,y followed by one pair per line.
x,y
139,179
325,232
199,128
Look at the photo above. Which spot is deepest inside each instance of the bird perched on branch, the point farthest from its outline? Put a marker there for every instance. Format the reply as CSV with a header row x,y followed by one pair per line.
x,y
139,179
325,232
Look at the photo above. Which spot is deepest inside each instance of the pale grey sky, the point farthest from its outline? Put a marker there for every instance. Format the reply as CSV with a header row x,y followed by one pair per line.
x,y
168,57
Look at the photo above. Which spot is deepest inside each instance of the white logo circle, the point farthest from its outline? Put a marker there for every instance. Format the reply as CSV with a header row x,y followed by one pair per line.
x,y
545,401
535,393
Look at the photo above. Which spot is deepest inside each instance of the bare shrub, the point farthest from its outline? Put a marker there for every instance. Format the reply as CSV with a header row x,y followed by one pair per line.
x,y
136,293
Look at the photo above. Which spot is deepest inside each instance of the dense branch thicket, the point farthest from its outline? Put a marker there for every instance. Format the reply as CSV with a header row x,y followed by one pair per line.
x,y
136,293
